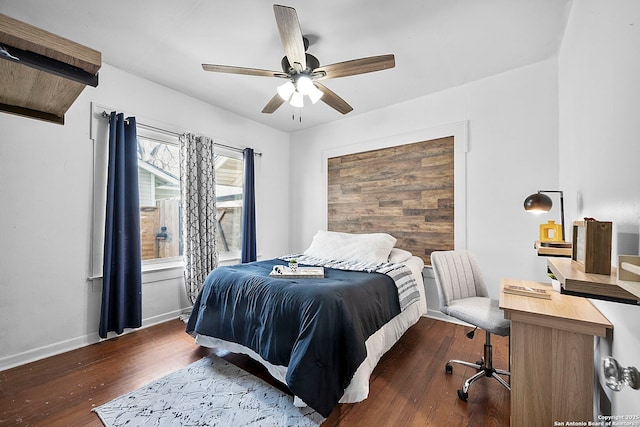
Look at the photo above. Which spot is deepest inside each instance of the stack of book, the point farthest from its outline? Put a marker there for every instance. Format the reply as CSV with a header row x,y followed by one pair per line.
x,y
284,272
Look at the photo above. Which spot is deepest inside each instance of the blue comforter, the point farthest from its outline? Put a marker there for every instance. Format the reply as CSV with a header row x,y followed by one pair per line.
x,y
316,327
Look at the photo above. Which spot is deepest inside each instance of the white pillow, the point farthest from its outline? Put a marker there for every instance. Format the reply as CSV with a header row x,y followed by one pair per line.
x,y
372,247
398,255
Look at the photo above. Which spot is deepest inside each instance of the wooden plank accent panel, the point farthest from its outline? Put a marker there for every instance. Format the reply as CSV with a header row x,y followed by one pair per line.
x,y
406,191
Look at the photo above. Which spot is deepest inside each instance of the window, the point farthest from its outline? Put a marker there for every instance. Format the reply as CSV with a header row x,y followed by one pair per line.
x,y
229,179
160,209
159,185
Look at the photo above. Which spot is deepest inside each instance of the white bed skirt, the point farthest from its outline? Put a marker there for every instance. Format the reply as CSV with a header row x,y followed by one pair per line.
x,y
377,344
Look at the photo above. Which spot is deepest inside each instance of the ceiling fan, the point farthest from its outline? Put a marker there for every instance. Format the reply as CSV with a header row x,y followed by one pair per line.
x,y
303,71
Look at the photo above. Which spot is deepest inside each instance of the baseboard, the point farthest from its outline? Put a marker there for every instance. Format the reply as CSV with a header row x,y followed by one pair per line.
x,y
54,349
39,353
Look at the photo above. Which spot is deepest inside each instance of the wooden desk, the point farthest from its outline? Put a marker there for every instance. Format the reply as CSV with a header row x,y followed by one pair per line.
x,y
552,375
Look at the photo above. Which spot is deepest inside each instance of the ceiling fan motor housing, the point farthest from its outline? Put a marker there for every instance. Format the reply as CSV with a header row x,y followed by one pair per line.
x,y
312,64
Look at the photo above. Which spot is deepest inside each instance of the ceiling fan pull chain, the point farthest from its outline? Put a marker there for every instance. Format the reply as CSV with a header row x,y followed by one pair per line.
x,y
293,114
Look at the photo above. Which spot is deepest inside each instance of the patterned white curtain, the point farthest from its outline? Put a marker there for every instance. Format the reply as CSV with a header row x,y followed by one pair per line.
x,y
199,222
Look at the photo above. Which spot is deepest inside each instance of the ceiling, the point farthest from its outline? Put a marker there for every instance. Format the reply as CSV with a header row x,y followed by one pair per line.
x,y
438,44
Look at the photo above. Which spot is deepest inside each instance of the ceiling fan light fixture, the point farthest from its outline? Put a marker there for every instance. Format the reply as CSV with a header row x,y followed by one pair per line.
x,y
304,85
286,90
297,100
315,94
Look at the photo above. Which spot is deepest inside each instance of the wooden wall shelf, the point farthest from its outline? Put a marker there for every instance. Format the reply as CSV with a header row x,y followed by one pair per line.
x,y
575,281
565,250
28,90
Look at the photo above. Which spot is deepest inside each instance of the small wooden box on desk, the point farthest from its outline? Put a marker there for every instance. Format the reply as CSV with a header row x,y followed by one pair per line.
x,y
592,246
552,376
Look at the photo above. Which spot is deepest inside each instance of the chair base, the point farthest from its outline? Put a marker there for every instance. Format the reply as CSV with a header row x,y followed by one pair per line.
x,y
485,369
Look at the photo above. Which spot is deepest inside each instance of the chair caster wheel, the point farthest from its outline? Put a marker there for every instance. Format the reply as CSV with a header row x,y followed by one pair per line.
x,y
462,395
448,369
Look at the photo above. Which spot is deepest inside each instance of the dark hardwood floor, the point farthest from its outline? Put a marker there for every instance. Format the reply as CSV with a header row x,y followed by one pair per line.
x,y
409,387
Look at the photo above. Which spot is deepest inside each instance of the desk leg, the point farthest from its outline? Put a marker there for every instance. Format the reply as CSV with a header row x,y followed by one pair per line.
x,y
551,376
531,375
573,376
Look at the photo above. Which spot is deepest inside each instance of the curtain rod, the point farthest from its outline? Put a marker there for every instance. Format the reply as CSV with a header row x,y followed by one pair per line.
x,y
169,132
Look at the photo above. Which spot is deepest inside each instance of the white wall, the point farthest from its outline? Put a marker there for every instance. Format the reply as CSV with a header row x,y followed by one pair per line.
x,y
46,303
600,152
513,139
568,122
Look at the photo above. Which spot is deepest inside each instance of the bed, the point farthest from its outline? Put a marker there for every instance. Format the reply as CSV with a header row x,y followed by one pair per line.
x,y
322,337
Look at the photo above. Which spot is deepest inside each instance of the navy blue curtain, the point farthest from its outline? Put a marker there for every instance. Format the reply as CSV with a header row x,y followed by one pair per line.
x,y
248,209
122,266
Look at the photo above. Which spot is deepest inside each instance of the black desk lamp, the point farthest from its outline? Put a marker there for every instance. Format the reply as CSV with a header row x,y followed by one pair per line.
x,y
539,202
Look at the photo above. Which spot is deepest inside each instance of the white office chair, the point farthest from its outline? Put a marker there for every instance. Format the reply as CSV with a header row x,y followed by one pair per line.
x,y
463,295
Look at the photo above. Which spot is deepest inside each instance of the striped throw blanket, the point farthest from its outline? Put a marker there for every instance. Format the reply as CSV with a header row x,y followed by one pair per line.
x,y
401,274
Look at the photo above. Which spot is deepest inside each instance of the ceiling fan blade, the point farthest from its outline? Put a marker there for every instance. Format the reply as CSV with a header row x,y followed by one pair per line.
x,y
290,35
241,70
356,66
332,100
273,104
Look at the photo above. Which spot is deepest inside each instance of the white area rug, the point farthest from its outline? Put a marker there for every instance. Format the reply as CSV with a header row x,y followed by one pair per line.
x,y
209,392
